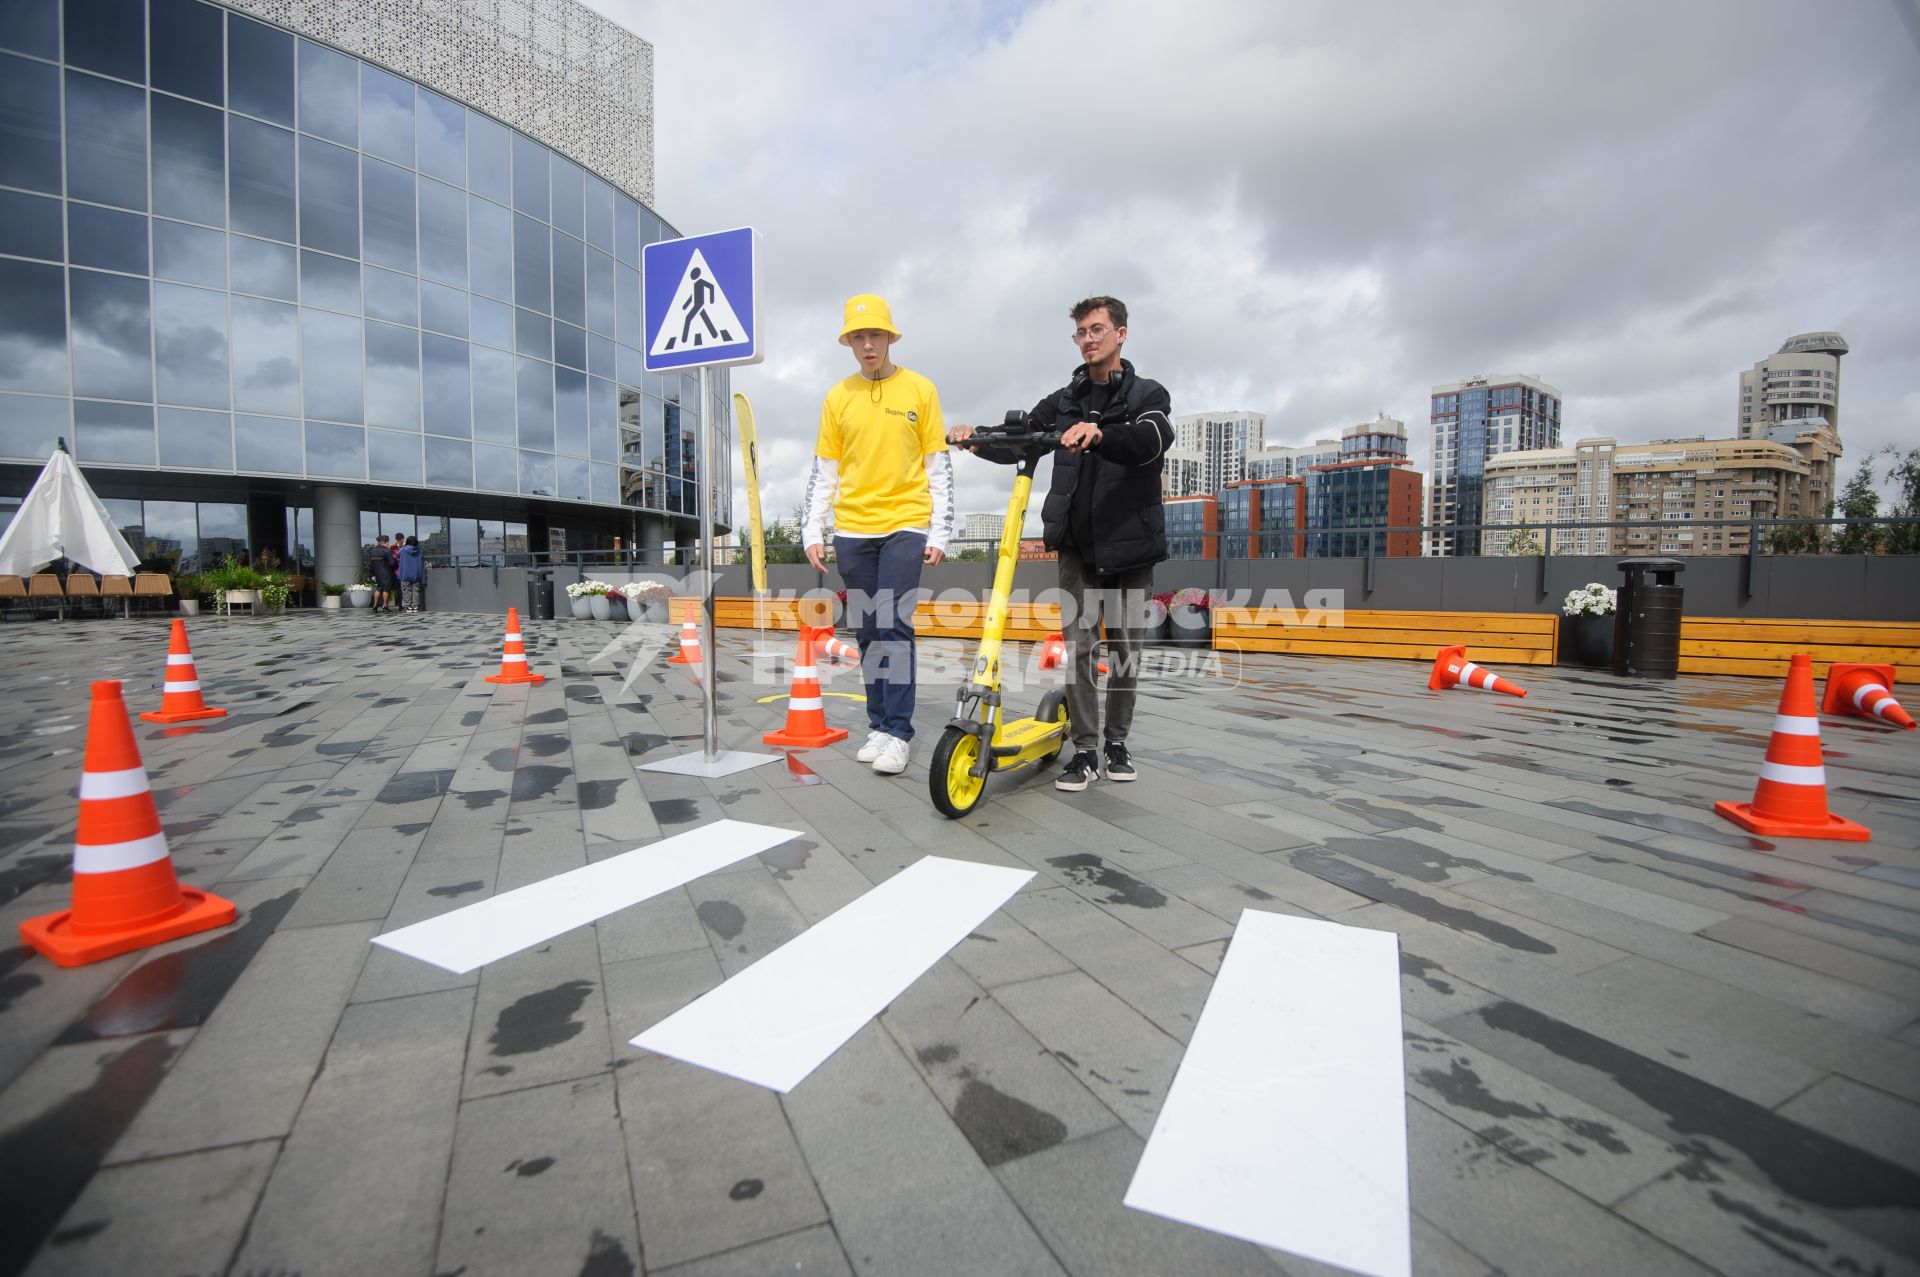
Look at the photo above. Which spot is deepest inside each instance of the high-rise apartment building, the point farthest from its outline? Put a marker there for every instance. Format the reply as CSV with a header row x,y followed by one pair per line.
x,y
1264,519
1210,450
1350,504
1382,439
1670,493
1475,420
1181,475
982,531
1798,384
1282,462
1193,525
1792,397
1527,491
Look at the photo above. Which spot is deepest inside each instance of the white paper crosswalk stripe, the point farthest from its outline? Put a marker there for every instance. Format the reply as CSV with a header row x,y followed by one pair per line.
x,y
1286,1124
778,1020
491,929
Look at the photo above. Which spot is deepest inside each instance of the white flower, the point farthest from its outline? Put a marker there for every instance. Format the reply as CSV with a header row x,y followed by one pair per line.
x,y
644,591
1592,599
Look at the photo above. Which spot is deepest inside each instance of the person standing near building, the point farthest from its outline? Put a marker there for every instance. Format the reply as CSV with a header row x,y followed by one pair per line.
x,y
1103,514
380,568
882,469
412,571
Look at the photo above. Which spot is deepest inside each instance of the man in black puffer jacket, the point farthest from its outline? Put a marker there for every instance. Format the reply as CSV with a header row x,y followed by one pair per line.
x,y
1103,514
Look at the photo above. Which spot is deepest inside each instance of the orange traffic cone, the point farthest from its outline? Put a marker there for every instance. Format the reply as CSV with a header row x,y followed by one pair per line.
x,y
1790,800
1451,668
689,653
834,648
180,696
1861,690
125,894
806,711
513,657
1053,652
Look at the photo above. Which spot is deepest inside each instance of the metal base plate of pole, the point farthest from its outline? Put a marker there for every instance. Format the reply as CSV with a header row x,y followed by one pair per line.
x,y
724,763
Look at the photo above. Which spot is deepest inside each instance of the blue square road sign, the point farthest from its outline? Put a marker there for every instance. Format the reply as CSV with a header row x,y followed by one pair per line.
x,y
702,301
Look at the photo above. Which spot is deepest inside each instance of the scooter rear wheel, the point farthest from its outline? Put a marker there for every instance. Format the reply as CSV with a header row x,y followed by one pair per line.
x,y
950,779
1053,709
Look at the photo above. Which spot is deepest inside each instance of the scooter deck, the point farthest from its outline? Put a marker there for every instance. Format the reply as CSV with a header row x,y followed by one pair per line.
x,y
1024,734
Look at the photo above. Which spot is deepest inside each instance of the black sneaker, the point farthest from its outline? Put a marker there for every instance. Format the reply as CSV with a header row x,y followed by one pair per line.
x,y
1079,773
1119,763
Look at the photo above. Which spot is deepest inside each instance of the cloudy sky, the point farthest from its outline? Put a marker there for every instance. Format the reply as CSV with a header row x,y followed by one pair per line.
x,y
1314,210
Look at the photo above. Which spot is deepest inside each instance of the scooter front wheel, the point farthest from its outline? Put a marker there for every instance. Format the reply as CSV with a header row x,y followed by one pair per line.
x,y
950,779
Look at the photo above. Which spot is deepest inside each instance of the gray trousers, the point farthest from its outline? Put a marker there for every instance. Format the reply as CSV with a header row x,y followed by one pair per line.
x,y
1121,600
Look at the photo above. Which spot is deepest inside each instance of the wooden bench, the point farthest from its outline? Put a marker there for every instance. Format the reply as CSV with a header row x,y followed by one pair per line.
x,y
1755,646
743,613
1497,638
966,618
935,618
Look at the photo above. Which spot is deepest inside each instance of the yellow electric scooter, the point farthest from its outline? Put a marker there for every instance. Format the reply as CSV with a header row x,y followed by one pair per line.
x,y
977,742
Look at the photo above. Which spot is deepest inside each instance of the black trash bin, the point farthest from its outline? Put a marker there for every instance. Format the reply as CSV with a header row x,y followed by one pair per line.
x,y
540,594
1646,622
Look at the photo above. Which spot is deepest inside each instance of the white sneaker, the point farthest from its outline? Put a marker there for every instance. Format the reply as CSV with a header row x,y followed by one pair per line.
x,y
893,757
876,741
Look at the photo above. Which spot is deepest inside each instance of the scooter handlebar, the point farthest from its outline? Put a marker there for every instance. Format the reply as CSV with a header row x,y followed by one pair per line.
x,y
1012,439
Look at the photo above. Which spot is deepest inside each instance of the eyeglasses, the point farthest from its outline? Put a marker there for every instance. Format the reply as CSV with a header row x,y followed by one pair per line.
x,y
1098,332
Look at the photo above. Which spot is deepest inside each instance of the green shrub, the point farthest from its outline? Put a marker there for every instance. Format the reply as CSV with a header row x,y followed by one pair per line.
x,y
234,576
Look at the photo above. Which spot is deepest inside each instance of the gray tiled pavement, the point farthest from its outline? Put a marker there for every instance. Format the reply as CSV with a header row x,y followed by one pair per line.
x,y
1637,1040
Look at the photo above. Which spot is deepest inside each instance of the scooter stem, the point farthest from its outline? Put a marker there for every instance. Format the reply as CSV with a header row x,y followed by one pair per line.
x,y
986,664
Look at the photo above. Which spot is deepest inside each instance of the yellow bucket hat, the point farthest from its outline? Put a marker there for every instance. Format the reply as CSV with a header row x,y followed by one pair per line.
x,y
867,311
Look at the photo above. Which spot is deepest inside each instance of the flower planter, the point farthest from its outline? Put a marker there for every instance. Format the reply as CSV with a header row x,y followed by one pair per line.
x,y
619,608
654,611
189,607
359,596
1587,640
582,607
599,607
249,599
1586,625
1157,629
329,602
1189,627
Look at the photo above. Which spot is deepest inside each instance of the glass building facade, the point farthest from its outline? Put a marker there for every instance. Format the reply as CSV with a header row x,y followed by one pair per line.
x,y
1473,421
1349,506
1237,504
1190,525
239,265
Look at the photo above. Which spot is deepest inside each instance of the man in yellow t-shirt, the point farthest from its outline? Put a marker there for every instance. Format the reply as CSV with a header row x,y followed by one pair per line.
x,y
882,469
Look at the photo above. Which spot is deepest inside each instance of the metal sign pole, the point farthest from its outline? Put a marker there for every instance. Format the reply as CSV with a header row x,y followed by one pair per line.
x,y
700,307
709,689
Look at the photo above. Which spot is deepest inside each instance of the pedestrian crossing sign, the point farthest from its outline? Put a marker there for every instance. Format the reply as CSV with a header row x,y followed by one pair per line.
x,y
702,301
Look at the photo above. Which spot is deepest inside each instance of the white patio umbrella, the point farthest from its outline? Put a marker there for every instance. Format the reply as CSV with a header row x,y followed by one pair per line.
x,y
62,518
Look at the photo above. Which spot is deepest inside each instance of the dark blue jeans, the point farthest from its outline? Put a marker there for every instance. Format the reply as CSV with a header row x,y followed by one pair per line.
x,y
883,585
